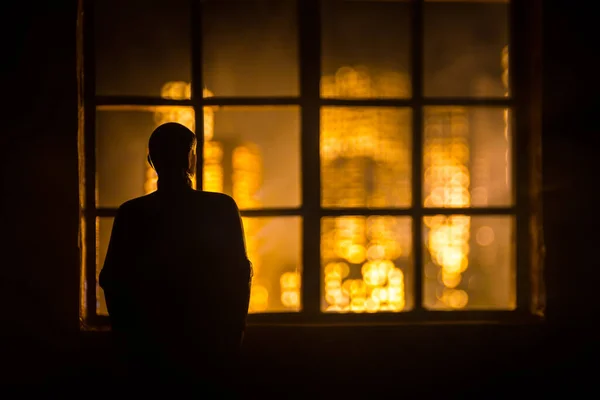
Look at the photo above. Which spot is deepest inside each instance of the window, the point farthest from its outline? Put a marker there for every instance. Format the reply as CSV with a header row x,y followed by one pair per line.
x,y
374,148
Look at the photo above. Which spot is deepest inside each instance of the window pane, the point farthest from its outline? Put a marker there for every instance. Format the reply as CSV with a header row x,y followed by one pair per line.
x,y
122,169
366,264
103,231
469,262
274,248
467,158
140,45
250,47
365,157
246,153
464,48
365,49
254,155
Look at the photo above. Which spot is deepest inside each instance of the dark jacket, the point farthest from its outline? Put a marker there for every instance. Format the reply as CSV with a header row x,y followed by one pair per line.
x,y
176,278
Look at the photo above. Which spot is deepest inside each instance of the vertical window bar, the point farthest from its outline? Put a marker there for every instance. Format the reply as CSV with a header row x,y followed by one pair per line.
x,y
197,85
518,44
417,150
81,170
309,22
89,92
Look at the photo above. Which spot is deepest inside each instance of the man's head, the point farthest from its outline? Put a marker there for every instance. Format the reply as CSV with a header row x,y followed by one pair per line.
x,y
172,150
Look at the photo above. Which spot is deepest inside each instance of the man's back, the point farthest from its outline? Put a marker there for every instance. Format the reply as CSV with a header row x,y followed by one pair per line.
x,y
176,278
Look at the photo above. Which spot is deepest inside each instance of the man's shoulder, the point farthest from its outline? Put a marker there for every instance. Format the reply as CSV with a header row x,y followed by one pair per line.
x,y
137,203
215,198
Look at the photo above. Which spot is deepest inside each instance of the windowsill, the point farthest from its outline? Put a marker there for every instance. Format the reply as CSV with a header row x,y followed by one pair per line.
x,y
415,319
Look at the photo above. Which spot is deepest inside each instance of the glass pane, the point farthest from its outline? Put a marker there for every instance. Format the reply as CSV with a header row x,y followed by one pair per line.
x,y
464,52
103,231
467,157
253,154
274,248
469,263
250,47
122,169
366,264
140,45
365,157
365,49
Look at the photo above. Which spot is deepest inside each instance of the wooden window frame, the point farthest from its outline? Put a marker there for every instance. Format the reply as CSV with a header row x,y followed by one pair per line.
x,y
524,103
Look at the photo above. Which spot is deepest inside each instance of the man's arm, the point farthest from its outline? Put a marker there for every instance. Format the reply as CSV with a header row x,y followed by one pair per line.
x,y
111,278
240,262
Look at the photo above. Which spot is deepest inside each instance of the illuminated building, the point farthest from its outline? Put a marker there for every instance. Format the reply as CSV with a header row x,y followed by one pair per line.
x,y
364,153
467,163
246,182
447,181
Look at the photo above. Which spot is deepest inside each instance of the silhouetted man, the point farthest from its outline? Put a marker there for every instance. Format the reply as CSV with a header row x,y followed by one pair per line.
x,y
176,277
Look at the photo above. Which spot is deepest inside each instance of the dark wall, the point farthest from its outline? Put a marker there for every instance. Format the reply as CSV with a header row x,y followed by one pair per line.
x,y
39,257
570,161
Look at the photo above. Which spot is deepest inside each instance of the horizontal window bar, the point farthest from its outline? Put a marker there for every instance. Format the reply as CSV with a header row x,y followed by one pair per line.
x,y
424,317
104,102
332,212
129,107
470,211
251,101
443,101
421,317
146,108
272,212
109,103
264,212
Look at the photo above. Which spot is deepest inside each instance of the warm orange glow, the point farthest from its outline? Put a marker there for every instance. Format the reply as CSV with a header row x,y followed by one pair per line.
x,y
450,169
246,182
213,152
255,153
357,143
365,159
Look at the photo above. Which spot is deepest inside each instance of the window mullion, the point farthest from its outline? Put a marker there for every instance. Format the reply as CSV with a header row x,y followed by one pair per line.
x,y
417,150
520,34
89,105
309,23
197,85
